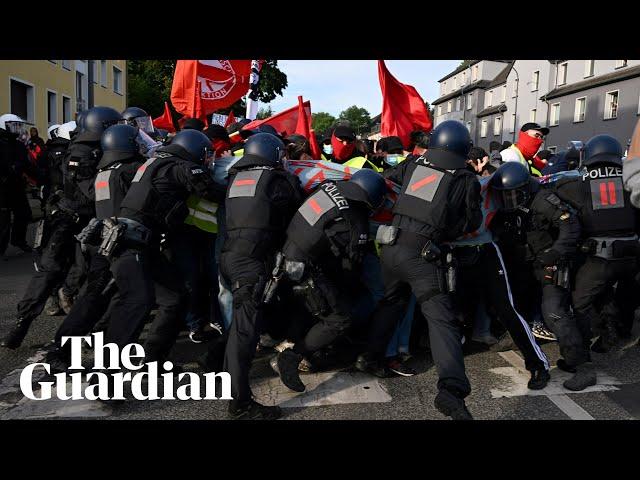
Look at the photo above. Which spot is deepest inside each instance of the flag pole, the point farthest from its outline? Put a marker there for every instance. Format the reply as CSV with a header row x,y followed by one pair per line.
x,y
252,94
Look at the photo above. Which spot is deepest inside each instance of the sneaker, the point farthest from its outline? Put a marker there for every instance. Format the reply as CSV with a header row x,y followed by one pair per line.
x,y
287,364
305,366
65,301
451,406
284,345
585,377
52,307
539,379
400,368
485,339
505,343
217,327
198,335
539,330
252,410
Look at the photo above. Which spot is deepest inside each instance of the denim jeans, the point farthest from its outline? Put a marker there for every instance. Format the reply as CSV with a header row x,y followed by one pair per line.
x,y
399,343
225,298
371,277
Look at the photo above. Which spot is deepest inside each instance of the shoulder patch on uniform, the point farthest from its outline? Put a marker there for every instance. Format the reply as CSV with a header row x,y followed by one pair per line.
x,y
245,183
424,183
316,206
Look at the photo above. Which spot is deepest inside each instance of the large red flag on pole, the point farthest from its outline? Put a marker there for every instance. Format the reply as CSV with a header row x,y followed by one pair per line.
x,y
231,118
165,121
284,122
215,84
303,127
403,109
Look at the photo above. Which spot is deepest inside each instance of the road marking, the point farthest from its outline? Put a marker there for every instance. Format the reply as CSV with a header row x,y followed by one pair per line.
x,y
561,400
326,388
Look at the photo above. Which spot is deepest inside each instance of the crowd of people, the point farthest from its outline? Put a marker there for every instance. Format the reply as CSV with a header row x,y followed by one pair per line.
x,y
210,230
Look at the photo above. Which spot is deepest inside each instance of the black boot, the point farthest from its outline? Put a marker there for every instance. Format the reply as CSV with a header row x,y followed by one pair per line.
x,y
584,377
252,410
451,405
539,379
287,368
14,338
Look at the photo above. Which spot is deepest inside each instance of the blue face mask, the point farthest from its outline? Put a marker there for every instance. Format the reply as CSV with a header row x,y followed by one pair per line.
x,y
392,160
328,149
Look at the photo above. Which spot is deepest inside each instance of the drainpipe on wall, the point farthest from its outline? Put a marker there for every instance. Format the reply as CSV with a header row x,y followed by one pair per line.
x,y
90,84
515,109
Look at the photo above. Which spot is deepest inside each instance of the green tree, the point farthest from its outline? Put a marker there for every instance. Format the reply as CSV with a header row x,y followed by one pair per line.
x,y
264,113
465,63
149,85
358,118
322,122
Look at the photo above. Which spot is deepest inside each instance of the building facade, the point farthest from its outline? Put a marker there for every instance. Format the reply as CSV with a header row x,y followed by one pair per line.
x,y
576,99
46,92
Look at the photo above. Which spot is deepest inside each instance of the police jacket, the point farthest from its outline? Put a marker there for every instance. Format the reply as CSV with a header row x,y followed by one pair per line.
x,y
441,204
56,149
159,190
14,162
115,174
328,224
261,200
79,169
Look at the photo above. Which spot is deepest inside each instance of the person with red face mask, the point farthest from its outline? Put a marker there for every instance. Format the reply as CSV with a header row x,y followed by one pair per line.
x,y
530,139
343,141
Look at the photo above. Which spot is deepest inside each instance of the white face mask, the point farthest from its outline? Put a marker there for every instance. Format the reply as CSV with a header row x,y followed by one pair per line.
x,y
392,160
328,149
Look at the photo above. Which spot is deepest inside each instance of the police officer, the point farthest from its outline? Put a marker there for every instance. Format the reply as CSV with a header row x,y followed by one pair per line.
x,y
439,201
56,148
118,165
154,204
550,230
69,215
329,229
609,241
137,117
261,199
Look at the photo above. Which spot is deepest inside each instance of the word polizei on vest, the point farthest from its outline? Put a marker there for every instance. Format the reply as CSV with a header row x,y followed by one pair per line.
x,y
332,190
188,390
602,172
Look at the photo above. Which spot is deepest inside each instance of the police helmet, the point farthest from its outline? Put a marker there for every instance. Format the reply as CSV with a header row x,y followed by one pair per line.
x,y
13,123
80,120
366,186
449,145
137,117
194,143
52,131
64,130
512,182
98,119
119,143
264,147
602,149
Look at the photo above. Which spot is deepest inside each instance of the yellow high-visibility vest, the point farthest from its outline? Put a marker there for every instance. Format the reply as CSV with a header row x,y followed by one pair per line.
x,y
534,171
202,214
359,162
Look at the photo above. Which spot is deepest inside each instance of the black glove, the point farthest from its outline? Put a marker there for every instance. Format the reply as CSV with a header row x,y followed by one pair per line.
x,y
549,257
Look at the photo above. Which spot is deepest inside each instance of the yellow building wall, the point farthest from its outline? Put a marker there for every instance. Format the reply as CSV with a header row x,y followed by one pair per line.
x,y
44,75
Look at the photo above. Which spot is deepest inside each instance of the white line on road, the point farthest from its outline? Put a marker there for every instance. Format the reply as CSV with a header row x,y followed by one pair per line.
x,y
563,402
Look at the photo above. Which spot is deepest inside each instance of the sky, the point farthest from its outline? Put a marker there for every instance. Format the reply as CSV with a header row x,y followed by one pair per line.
x,y
334,85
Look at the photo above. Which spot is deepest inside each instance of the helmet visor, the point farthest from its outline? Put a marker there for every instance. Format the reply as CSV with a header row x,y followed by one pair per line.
x,y
145,124
19,128
512,199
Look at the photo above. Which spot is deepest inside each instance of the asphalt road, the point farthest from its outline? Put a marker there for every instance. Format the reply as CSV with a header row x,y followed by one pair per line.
x,y
499,385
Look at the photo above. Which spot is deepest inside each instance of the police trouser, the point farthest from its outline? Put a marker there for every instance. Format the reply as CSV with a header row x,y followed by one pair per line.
x,y
247,277
77,273
15,202
144,277
594,279
332,322
51,266
573,335
404,270
483,275
89,307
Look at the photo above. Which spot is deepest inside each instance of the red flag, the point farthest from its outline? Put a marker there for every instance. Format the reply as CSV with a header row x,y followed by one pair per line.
x,y
403,109
303,127
165,120
230,119
284,122
215,84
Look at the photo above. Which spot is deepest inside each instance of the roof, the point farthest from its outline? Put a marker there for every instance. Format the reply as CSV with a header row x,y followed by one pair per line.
x,y
464,67
593,82
491,110
466,88
502,76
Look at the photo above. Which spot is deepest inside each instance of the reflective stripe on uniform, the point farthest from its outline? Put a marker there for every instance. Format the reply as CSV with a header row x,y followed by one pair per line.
x,y
424,183
142,168
245,183
315,206
102,186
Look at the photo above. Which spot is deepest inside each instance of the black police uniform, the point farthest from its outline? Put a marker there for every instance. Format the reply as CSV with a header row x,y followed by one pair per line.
x,y
56,149
261,200
439,201
115,174
154,204
69,216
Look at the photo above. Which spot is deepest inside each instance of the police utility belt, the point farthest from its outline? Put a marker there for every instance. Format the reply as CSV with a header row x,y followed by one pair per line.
x,y
612,247
122,232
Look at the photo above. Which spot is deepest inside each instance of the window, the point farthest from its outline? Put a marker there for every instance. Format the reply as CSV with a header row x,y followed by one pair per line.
x,y
439,110
66,109
562,73
621,63
611,105
117,80
458,104
483,128
449,106
81,103
503,96
497,126
455,83
464,77
66,64
52,108
488,101
532,115
515,88
555,115
469,101
535,81
474,73
588,68
512,123
22,101
94,71
580,110
103,73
